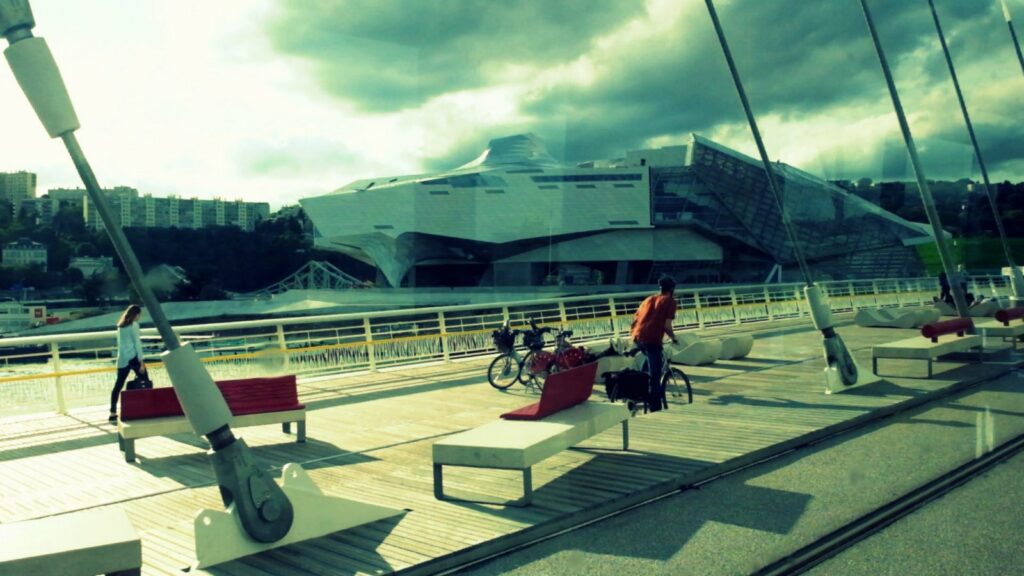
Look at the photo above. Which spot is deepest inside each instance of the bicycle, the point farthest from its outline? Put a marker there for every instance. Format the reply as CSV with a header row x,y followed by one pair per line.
x,y
672,378
505,368
538,363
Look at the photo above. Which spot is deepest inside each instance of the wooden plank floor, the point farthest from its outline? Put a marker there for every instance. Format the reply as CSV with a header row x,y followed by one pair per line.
x,y
370,438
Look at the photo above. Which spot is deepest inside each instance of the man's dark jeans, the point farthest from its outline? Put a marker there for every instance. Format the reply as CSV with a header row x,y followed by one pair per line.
x,y
655,358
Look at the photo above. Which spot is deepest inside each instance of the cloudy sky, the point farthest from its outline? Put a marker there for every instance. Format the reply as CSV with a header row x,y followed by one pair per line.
x,y
275,100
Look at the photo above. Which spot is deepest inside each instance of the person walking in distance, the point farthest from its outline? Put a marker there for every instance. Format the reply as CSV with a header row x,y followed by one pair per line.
x,y
129,354
652,323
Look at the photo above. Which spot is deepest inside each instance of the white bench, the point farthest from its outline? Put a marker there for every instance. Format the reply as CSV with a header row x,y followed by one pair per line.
x,y
519,444
131,430
98,541
736,346
920,348
895,317
996,329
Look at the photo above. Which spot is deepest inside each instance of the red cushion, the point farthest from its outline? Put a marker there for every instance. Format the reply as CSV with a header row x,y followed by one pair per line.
x,y
958,325
151,403
259,395
244,396
1007,314
561,390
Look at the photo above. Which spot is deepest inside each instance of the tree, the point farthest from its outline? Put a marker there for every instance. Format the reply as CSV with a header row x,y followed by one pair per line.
x,y
91,289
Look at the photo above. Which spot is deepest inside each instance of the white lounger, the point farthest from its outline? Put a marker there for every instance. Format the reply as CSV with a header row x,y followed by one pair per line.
x,y
887,318
736,346
694,351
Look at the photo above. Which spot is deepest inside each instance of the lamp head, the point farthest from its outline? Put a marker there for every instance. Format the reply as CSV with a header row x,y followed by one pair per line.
x,y
16,21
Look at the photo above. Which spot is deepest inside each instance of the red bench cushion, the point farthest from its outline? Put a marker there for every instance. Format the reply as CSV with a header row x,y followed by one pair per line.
x,y
244,396
561,390
153,403
936,329
1007,314
258,395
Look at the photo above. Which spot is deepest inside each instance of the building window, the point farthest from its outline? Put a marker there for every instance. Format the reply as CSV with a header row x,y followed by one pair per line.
x,y
587,178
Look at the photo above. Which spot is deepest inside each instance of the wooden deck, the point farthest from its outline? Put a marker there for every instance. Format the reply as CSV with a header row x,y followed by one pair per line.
x,y
370,439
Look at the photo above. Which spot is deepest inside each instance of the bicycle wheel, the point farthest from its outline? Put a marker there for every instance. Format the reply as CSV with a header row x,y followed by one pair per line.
x,y
673,381
527,376
503,371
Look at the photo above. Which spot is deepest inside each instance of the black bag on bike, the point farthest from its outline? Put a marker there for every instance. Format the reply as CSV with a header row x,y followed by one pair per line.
x,y
533,340
503,340
631,385
139,383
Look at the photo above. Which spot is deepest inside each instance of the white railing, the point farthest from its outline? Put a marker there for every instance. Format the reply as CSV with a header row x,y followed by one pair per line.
x,y
72,370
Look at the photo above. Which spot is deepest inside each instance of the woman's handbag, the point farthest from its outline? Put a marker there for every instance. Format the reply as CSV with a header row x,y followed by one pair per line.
x,y
140,383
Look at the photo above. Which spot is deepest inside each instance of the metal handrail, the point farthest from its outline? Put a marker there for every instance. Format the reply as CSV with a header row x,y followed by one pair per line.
x,y
338,343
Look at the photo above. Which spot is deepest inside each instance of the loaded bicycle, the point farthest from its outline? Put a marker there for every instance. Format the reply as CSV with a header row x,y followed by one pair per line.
x,y
538,363
633,385
672,378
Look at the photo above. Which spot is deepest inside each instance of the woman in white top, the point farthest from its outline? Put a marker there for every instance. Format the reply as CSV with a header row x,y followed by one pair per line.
x,y
129,354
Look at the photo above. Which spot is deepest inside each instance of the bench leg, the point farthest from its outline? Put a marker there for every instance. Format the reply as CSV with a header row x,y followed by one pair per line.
x,y
438,482
120,442
526,500
286,427
929,367
625,434
129,450
874,365
300,431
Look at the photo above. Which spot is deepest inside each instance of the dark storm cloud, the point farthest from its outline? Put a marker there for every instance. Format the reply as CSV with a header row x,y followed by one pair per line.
x,y
383,55
799,59
796,60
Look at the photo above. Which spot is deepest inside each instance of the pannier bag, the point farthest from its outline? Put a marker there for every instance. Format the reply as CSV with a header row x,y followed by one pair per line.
x,y
631,385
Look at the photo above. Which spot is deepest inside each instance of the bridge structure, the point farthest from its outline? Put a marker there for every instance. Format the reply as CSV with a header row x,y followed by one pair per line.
x,y
381,387
314,275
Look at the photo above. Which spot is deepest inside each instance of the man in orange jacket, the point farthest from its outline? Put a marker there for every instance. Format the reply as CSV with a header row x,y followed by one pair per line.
x,y
652,323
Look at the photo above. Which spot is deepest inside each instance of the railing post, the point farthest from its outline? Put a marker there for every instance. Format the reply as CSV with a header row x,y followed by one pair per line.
x,y
853,305
799,299
768,304
699,309
735,312
282,345
55,356
613,314
445,352
371,353
561,313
